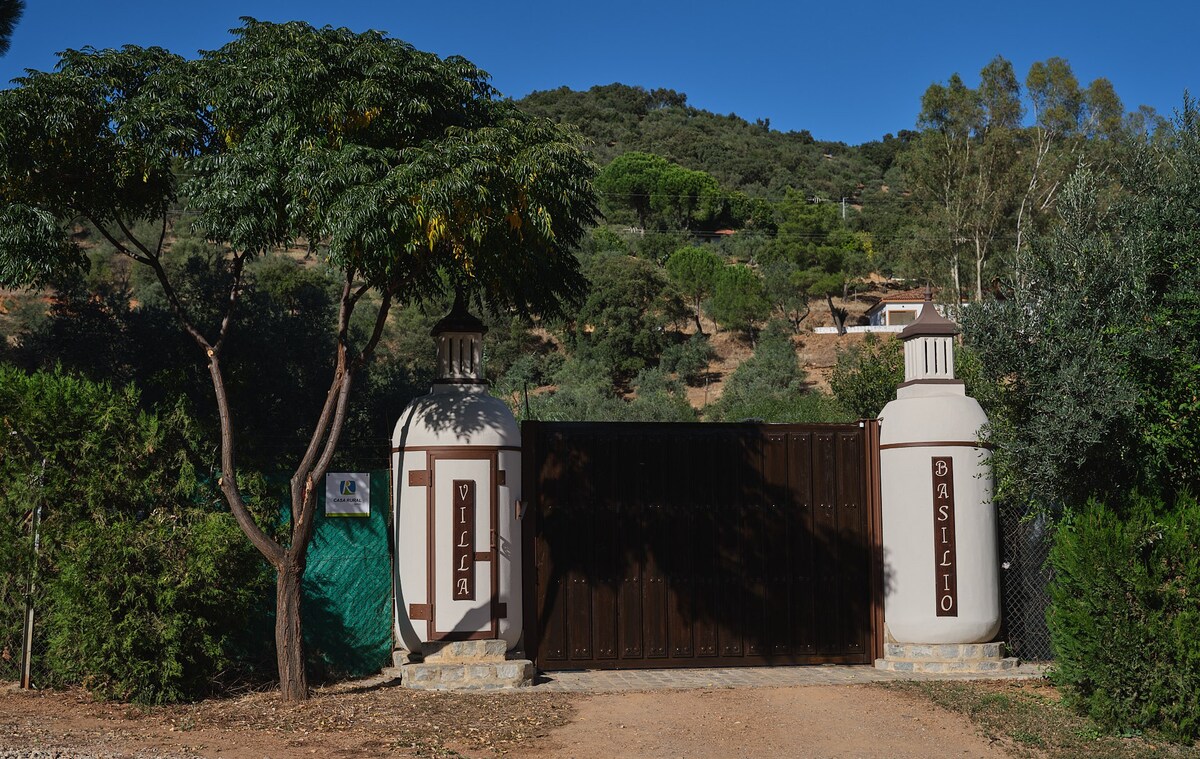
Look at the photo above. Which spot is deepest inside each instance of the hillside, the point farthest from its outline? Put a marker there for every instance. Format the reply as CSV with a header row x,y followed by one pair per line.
x,y
744,156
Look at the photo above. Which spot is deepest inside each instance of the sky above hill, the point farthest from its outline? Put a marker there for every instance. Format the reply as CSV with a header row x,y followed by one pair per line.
x,y
844,71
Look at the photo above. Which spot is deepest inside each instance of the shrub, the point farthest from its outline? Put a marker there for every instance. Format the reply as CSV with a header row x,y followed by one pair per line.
x,y
865,377
689,359
1125,614
659,399
157,610
147,589
770,386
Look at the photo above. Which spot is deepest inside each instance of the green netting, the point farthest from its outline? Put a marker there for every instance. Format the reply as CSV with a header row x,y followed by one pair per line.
x,y
348,589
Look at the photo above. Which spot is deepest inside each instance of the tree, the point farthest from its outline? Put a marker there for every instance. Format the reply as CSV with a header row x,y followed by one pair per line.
x,y
1055,99
963,164
620,324
630,180
10,14
770,386
738,301
406,169
694,271
1093,355
784,287
1066,422
1162,223
664,195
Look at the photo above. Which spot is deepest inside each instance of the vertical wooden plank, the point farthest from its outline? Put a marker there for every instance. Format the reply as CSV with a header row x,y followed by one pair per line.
x,y
531,541
631,550
680,539
776,508
854,553
755,557
874,536
582,560
802,557
826,542
702,474
553,603
732,570
654,574
608,573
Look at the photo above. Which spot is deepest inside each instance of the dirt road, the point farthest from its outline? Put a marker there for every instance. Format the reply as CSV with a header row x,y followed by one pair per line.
x,y
349,721
815,721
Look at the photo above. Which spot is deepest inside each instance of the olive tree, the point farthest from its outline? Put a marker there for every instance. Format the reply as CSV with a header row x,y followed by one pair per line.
x,y
405,170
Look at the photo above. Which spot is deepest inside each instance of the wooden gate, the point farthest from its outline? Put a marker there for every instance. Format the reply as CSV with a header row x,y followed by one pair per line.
x,y
667,545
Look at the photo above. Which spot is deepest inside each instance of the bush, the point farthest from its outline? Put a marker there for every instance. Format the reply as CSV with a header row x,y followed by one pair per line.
x,y
147,589
659,399
770,386
157,610
1125,614
865,377
689,359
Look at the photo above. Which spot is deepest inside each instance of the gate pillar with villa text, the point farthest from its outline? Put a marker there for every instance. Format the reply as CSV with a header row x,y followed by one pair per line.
x,y
456,474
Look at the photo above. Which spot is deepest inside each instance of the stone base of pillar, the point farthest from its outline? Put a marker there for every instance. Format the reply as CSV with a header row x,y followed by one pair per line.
x,y
462,665
966,658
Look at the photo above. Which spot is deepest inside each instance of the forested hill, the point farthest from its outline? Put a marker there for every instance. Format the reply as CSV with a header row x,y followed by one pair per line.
x,y
740,155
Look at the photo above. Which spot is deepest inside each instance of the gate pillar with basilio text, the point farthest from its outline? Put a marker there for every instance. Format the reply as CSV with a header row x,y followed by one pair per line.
x,y
940,546
456,474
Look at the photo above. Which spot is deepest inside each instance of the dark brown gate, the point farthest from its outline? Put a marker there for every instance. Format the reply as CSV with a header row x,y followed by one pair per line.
x,y
667,545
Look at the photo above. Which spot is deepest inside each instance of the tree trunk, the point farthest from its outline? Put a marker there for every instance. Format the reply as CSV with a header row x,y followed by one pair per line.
x,y
954,277
839,315
980,254
289,643
699,327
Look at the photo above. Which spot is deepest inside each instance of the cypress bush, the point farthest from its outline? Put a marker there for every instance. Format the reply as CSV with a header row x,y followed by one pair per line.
x,y
1125,614
157,610
147,591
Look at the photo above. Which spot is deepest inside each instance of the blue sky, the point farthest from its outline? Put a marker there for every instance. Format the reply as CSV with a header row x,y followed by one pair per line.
x,y
844,71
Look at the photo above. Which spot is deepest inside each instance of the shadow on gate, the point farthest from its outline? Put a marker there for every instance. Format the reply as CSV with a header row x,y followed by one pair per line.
x,y
655,545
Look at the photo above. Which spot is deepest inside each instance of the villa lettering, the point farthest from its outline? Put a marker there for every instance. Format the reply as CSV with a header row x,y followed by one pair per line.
x,y
464,540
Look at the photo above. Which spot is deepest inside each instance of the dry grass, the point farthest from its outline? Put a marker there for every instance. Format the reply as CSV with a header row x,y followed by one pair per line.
x,y
1028,719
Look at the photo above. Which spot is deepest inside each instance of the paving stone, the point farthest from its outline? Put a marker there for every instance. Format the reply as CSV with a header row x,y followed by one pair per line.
x,y
606,681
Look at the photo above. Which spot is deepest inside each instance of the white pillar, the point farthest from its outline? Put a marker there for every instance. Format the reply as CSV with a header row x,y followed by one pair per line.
x,y
941,554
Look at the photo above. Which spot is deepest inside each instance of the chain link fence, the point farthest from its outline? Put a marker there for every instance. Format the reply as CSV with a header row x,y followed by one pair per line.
x,y
1025,583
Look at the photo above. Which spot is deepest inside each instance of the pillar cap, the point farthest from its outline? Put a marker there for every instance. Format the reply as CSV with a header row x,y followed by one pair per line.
x,y
459,319
929,323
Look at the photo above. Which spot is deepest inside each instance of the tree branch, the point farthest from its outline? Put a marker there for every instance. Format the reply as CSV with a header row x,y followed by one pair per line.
x,y
324,439
113,241
177,306
273,552
137,243
235,287
364,356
